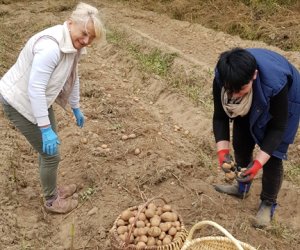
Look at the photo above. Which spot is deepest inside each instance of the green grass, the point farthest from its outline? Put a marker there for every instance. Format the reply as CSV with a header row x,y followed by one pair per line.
x,y
281,231
159,63
292,173
154,61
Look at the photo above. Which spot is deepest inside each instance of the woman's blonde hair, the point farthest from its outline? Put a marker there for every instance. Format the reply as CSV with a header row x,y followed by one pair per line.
x,y
85,12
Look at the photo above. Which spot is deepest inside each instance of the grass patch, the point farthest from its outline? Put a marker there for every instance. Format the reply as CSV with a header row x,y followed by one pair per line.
x,y
193,86
154,61
159,63
292,173
281,231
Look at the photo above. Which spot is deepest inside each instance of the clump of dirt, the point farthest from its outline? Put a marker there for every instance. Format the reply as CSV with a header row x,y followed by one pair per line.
x,y
274,22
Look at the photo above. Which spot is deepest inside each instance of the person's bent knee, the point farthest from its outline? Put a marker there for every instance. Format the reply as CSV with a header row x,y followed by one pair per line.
x,y
50,160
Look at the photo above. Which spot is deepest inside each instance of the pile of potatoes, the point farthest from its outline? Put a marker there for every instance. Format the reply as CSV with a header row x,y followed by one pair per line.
x,y
155,226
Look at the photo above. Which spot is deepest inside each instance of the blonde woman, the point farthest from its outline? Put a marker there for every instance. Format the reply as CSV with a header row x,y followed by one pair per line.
x,y
46,72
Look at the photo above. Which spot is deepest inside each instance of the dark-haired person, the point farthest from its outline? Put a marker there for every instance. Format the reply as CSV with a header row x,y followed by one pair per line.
x,y
259,91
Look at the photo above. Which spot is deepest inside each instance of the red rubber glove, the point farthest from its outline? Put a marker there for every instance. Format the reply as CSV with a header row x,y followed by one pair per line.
x,y
250,172
221,155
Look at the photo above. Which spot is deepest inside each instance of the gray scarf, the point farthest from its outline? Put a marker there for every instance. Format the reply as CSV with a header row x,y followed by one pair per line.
x,y
236,106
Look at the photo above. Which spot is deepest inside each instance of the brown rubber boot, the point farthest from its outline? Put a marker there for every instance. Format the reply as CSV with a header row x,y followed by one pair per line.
x,y
265,214
61,205
231,190
66,191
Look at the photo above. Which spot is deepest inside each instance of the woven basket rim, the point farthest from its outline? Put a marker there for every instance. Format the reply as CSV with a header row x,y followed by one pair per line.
x,y
217,239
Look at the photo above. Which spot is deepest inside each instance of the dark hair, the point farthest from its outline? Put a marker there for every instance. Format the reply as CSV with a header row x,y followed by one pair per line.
x,y
236,68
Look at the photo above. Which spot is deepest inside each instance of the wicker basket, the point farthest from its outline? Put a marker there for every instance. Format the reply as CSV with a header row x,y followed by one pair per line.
x,y
118,244
214,242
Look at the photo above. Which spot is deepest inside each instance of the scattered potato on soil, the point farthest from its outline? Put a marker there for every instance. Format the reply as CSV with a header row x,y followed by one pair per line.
x,y
124,137
132,136
137,151
84,140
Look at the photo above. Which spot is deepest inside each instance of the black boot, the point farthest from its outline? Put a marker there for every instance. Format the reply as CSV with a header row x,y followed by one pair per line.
x,y
241,190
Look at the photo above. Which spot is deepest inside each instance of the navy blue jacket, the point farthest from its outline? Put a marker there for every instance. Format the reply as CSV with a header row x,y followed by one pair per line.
x,y
274,72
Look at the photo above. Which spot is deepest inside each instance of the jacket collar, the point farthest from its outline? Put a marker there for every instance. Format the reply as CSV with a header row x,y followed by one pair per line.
x,y
66,45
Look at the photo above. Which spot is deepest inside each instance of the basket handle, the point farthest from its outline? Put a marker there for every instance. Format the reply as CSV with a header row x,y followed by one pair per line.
x,y
201,224
127,240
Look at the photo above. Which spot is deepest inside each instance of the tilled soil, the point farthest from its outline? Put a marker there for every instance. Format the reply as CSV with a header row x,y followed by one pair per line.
x,y
171,154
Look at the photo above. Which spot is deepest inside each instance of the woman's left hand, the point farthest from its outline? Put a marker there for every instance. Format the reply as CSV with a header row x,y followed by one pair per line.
x,y
79,117
250,172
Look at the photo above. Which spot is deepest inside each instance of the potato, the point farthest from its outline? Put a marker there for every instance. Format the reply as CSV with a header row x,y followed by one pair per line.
x,y
131,239
144,238
172,231
239,174
159,211
140,224
167,240
165,226
169,216
151,241
152,206
122,230
154,231
229,177
162,235
122,237
155,221
141,244
149,213
142,217
131,220
135,232
177,234
141,231
132,136
125,215
120,222
176,224
166,208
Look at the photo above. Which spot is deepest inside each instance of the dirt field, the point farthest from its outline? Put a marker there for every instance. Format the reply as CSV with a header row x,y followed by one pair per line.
x,y
168,106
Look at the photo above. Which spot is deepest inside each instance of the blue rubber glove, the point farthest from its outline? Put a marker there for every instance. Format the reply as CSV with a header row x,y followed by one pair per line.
x,y
50,140
79,117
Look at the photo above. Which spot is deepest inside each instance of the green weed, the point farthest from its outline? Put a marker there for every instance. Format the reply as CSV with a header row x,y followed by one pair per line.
x,y
160,64
87,194
154,61
281,231
292,173
116,37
